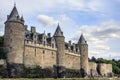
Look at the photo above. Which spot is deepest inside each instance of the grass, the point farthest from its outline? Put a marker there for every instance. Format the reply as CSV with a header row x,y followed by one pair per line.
x,y
44,79
57,79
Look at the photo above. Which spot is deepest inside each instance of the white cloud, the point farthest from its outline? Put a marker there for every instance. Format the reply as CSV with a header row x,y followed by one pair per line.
x,y
63,17
1,26
1,29
98,36
47,20
45,5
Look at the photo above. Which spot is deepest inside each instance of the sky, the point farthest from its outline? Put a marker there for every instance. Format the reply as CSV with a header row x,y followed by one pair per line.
x,y
98,20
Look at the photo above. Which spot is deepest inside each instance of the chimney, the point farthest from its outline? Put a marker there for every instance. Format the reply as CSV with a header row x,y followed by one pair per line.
x,y
49,35
26,26
33,30
70,42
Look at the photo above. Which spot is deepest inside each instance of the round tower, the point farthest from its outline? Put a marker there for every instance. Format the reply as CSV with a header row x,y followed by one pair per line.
x,y
83,50
14,42
60,45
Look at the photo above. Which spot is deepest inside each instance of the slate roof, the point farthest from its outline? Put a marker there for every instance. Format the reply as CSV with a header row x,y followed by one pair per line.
x,y
14,15
82,40
58,31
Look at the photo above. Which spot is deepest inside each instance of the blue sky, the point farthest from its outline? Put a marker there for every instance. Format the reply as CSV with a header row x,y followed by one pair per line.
x,y
98,20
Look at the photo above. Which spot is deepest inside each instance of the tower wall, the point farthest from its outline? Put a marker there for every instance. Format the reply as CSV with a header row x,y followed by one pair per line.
x,y
84,57
60,44
60,58
14,42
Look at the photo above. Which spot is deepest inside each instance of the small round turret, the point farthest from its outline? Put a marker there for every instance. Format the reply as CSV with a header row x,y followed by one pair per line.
x,y
83,50
60,45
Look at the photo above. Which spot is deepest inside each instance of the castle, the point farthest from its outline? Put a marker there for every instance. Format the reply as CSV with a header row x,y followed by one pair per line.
x,y
29,48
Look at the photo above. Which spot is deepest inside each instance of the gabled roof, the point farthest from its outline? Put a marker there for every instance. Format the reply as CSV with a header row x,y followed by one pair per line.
x,y
58,31
82,40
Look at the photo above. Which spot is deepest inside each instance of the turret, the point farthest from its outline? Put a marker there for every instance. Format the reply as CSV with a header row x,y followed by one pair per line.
x,y
14,42
83,51
60,45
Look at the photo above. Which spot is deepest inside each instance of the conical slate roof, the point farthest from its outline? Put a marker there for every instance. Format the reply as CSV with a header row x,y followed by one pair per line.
x,y
58,31
82,40
14,16
22,18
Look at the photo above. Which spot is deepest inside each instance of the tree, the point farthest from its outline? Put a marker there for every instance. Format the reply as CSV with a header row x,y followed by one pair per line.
x,y
93,59
2,49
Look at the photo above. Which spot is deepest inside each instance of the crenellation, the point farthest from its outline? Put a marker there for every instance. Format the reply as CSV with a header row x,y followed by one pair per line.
x,y
70,53
32,44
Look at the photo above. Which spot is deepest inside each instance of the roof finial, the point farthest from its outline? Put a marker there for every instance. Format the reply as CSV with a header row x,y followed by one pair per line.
x,y
14,4
44,31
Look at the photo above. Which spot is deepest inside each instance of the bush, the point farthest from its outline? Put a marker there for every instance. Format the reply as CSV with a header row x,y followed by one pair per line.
x,y
2,49
71,73
37,72
3,72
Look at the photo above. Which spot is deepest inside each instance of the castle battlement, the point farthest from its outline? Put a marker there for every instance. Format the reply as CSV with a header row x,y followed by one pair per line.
x,y
36,45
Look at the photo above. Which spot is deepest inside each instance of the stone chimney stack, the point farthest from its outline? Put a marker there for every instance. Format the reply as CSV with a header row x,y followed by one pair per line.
x,y
33,30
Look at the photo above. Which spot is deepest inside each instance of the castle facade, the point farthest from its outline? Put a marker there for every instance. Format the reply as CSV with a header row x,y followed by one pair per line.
x,y
29,48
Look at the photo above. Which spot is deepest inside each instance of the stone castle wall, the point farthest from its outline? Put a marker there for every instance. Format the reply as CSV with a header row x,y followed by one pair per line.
x,y
93,67
45,56
72,60
105,69
37,54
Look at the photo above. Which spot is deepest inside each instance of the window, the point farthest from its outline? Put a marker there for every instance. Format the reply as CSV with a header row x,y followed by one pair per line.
x,y
10,49
76,50
52,53
27,41
52,45
44,43
10,40
43,51
35,36
35,51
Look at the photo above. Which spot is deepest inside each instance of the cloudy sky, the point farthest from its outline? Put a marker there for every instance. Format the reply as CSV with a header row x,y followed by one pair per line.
x,y
98,20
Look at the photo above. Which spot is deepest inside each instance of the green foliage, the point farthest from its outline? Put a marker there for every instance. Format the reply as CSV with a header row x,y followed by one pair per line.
x,y
1,41
49,79
71,73
2,50
37,72
3,71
